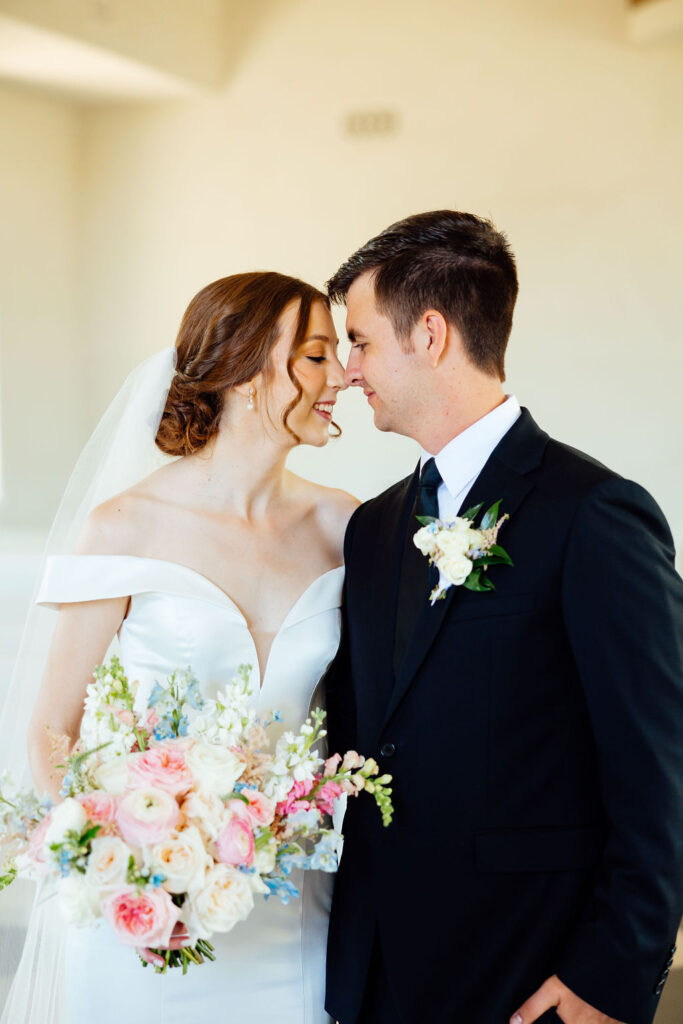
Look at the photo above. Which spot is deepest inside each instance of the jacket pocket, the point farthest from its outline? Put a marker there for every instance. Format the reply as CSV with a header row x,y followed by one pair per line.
x,y
538,849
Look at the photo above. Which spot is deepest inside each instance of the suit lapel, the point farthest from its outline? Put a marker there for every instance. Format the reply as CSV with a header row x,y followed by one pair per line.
x,y
503,476
386,567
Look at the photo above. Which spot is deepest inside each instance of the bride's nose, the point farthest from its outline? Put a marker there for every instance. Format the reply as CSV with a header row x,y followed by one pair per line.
x,y
336,377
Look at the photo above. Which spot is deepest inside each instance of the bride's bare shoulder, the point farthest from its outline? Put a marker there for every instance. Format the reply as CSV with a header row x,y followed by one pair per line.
x,y
124,523
331,508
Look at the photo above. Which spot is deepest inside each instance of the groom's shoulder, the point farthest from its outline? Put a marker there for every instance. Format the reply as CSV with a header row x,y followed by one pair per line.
x,y
572,468
581,481
391,497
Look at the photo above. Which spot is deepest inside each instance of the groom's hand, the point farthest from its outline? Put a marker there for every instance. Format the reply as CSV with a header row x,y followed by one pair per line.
x,y
553,994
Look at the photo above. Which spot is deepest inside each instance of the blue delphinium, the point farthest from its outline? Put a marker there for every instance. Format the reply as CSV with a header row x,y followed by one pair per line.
x,y
325,857
281,887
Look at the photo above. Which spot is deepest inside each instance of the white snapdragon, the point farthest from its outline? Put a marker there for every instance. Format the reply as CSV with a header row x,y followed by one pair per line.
x,y
68,816
79,901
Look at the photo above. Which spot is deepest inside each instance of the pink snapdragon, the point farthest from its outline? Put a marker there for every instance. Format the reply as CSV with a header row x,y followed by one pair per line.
x,y
294,800
326,796
331,766
141,918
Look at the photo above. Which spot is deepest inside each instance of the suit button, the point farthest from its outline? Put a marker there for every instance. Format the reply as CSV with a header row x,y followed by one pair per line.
x,y
388,749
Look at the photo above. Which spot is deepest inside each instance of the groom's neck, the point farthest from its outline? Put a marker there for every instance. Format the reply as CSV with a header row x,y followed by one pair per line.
x,y
455,409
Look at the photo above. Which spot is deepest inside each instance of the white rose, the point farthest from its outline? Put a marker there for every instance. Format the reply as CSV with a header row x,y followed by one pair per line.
x,y
216,769
452,550
225,899
264,859
207,812
108,863
457,541
425,541
78,900
182,859
112,776
455,568
68,816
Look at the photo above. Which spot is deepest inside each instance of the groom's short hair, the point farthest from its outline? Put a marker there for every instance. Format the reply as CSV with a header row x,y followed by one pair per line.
x,y
456,263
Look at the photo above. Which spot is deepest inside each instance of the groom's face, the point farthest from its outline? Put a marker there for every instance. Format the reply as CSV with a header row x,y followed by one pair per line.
x,y
379,362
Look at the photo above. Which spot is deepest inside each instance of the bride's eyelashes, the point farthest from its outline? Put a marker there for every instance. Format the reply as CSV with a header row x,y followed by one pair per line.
x,y
317,359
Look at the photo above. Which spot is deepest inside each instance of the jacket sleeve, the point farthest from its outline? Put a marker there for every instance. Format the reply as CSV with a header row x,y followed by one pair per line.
x,y
337,681
623,610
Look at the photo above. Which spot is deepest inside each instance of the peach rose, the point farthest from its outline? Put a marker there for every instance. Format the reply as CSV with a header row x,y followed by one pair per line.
x,y
261,809
141,918
163,767
182,859
100,807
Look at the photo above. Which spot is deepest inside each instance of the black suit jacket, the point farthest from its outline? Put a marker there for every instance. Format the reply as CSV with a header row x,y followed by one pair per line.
x,y
535,736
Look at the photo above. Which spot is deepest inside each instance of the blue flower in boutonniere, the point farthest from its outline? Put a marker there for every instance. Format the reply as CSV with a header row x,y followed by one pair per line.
x,y
461,551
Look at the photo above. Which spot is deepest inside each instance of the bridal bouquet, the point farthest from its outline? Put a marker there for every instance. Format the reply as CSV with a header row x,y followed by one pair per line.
x,y
180,814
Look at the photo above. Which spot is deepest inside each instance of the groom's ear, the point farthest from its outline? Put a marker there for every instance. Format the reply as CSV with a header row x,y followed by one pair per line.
x,y
432,336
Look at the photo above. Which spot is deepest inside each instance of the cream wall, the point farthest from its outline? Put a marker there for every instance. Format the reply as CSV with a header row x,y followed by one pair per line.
x,y
43,415
539,114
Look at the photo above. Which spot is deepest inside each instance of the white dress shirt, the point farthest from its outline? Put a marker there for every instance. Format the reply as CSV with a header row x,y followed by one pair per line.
x,y
461,461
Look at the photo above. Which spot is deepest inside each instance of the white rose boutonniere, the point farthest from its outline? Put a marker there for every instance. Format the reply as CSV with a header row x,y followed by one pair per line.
x,y
461,551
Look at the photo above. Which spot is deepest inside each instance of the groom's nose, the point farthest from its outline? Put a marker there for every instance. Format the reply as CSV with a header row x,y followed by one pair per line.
x,y
352,374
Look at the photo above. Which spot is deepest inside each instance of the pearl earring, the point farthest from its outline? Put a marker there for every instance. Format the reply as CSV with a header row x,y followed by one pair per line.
x,y
250,403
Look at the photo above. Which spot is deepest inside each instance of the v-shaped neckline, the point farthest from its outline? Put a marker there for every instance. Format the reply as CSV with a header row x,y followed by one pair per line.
x,y
227,599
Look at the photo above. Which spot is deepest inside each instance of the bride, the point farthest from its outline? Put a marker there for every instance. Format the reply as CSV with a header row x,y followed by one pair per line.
x,y
219,557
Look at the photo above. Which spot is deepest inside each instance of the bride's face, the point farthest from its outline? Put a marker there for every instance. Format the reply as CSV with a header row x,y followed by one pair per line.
x,y
316,368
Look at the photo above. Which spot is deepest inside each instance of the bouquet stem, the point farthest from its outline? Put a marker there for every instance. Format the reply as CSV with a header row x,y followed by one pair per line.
x,y
196,954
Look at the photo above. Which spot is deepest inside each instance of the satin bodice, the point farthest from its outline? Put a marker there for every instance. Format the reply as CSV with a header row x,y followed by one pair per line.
x,y
272,966
179,618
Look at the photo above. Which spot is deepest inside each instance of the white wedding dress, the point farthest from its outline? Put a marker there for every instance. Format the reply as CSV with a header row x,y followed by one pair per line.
x,y
271,968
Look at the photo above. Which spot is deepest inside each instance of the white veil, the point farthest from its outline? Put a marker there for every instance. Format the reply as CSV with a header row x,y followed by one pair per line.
x,y
120,452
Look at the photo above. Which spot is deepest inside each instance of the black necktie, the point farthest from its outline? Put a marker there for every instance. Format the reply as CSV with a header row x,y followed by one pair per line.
x,y
416,573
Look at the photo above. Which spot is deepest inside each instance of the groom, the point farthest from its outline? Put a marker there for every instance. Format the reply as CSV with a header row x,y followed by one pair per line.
x,y
534,867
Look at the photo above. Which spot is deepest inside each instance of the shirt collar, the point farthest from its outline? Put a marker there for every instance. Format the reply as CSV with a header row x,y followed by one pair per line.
x,y
465,456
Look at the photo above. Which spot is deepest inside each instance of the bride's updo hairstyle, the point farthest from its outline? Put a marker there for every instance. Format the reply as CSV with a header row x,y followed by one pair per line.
x,y
225,339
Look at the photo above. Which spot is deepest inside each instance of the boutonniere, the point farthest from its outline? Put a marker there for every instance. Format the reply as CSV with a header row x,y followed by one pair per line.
x,y
461,551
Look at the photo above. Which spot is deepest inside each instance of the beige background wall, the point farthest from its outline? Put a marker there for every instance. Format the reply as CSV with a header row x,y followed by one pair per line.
x,y
542,115
546,115
43,413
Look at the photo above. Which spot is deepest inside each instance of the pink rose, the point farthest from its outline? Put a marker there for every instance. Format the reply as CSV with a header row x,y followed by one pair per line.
x,y
37,852
146,816
293,801
326,796
261,809
141,918
235,844
163,767
99,806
